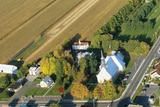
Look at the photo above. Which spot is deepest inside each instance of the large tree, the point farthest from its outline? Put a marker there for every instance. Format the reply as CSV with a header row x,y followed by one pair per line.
x,y
79,90
48,65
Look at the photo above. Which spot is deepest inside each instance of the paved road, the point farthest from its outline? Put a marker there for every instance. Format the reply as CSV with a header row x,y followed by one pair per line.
x,y
65,23
138,77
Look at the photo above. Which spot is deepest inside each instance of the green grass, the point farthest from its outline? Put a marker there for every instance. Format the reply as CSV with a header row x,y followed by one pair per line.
x,y
4,96
155,12
36,91
54,91
138,91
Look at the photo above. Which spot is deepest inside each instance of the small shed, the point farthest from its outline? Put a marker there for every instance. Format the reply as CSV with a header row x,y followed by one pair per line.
x,y
46,82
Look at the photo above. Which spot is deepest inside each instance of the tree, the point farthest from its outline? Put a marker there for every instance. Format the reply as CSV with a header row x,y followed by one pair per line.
x,y
110,90
66,67
107,90
92,65
5,80
144,48
48,65
99,92
79,91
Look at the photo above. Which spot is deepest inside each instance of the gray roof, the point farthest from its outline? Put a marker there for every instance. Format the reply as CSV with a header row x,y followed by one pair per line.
x,y
48,80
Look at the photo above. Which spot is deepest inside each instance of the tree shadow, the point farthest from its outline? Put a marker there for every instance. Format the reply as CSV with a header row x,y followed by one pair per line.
x,y
124,102
14,102
143,38
68,44
126,55
54,77
32,103
123,38
67,101
51,102
142,100
90,103
16,63
91,82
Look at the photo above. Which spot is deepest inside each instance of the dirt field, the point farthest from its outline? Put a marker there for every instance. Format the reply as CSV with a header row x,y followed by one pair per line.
x,y
87,24
26,33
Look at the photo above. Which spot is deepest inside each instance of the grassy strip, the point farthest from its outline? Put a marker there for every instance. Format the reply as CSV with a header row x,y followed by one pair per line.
x,y
137,92
30,48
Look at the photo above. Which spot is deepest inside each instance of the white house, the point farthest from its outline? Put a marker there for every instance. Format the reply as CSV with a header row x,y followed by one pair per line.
x,y
80,45
110,67
34,71
8,69
46,82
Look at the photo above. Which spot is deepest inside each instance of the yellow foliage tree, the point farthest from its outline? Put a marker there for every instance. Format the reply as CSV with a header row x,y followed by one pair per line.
x,y
144,48
79,91
48,65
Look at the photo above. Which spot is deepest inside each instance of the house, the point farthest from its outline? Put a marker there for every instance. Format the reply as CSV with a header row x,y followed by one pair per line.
x,y
15,87
110,67
46,82
81,45
34,71
156,72
8,69
83,54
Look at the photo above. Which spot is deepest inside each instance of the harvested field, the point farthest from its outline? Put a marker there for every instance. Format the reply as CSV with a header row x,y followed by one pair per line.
x,y
86,25
29,31
13,13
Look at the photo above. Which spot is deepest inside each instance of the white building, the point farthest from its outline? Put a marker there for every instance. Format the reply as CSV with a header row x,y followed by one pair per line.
x,y
34,71
110,67
80,45
83,54
8,69
46,82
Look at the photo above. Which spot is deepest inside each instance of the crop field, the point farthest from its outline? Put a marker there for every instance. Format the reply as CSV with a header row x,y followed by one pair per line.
x,y
28,19
13,13
87,24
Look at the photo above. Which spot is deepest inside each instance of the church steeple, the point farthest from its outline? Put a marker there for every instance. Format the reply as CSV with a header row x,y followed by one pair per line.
x,y
102,57
102,60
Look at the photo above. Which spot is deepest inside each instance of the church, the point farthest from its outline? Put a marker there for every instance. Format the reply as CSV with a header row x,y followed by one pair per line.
x,y
110,66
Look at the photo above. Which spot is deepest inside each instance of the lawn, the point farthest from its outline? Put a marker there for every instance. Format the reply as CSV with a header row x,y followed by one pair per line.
x,y
29,31
36,91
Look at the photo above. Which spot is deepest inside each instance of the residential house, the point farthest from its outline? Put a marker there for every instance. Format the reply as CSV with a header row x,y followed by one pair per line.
x,y
156,72
81,45
8,69
46,82
34,71
110,67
